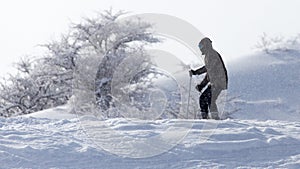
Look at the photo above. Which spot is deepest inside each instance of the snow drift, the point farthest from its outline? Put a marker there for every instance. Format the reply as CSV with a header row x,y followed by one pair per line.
x,y
60,143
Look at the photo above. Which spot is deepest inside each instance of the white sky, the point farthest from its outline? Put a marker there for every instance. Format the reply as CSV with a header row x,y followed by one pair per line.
x,y
233,25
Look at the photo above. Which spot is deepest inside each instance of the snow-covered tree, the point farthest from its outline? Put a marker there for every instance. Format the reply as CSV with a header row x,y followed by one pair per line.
x,y
278,44
32,89
83,60
113,40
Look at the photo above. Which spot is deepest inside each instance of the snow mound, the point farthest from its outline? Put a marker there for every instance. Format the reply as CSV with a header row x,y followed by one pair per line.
x,y
29,142
61,112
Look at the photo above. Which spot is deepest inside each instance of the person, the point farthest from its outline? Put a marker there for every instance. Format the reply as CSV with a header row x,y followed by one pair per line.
x,y
215,80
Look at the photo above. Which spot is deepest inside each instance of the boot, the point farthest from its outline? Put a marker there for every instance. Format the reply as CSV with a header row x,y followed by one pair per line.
x,y
204,115
215,115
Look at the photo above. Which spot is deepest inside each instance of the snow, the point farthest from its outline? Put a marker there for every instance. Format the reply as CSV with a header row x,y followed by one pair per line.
x,y
266,86
264,133
61,112
28,142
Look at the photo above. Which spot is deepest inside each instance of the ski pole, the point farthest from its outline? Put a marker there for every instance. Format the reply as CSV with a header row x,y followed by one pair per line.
x,y
188,103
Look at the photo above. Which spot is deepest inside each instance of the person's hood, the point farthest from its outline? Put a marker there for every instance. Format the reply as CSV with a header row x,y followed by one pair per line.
x,y
205,45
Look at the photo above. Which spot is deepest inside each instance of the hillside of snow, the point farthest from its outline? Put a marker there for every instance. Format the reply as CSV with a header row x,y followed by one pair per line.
x,y
263,133
266,86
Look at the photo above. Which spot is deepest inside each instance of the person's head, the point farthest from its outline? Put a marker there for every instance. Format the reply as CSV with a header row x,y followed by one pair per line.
x,y
205,45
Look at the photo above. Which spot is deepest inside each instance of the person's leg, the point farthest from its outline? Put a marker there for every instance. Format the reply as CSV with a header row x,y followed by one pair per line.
x,y
215,92
204,101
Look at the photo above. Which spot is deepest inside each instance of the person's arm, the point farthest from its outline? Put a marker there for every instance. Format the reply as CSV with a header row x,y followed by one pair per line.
x,y
204,82
199,71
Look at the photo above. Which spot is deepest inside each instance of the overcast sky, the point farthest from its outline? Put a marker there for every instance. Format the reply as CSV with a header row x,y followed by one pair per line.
x,y
233,25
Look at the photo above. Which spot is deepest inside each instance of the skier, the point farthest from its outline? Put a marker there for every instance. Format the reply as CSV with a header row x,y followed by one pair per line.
x,y
216,79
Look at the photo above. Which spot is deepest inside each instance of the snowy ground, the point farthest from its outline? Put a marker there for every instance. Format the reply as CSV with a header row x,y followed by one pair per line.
x,y
29,142
264,133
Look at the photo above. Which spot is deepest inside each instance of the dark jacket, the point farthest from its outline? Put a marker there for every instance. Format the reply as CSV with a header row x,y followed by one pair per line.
x,y
215,69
